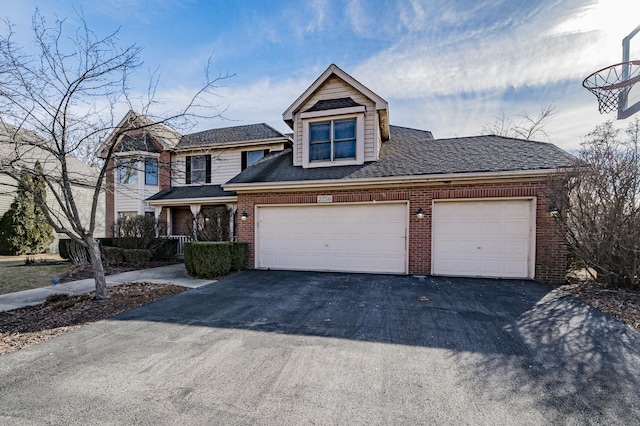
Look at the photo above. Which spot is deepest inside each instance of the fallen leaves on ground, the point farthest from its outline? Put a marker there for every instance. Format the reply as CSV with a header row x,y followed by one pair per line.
x,y
33,324
623,305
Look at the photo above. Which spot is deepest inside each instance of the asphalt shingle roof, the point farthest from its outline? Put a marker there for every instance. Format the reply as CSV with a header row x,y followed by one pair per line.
x,y
249,132
412,152
326,104
187,192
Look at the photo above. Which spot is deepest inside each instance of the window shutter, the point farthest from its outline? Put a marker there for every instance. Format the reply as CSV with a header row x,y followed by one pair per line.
x,y
208,169
188,171
244,160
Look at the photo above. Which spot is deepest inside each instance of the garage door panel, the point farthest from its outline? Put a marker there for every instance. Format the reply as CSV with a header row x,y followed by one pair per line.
x,y
482,238
359,238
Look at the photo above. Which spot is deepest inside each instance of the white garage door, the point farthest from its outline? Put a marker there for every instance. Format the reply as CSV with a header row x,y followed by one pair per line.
x,y
351,238
484,238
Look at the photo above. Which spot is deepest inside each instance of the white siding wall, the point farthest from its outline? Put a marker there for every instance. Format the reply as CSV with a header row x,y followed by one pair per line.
x,y
7,192
225,163
335,88
127,198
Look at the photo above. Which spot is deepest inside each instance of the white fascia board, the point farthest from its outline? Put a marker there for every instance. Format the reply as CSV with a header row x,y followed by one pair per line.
x,y
188,201
333,69
234,144
427,180
127,154
333,112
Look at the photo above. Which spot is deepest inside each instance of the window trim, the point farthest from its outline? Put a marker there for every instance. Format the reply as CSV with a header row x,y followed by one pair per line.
x,y
306,163
207,169
244,160
131,166
157,171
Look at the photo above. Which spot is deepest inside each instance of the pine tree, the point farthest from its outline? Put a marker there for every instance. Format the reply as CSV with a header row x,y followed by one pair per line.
x,y
24,228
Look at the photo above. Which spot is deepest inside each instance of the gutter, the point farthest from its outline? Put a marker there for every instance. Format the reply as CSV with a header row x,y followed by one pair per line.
x,y
187,201
423,180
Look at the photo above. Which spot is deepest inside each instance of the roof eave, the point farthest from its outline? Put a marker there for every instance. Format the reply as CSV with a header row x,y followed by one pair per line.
x,y
188,201
419,180
333,69
234,144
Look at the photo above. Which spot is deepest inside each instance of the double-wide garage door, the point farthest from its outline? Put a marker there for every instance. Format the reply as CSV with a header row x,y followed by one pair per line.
x,y
351,237
484,238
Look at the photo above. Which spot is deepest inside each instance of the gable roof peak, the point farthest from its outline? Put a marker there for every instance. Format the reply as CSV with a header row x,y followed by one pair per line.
x,y
332,70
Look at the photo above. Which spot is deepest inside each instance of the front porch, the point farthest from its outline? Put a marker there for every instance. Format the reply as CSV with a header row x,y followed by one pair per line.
x,y
196,213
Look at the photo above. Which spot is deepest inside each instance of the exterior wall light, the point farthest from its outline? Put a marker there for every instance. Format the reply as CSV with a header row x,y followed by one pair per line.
x,y
420,213
244,216
554,212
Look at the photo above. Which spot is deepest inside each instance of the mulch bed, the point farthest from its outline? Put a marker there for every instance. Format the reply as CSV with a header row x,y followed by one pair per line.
x,y
25,326
623,305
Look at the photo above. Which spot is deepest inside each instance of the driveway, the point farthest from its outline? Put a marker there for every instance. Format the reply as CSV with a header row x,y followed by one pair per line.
x,y
273,347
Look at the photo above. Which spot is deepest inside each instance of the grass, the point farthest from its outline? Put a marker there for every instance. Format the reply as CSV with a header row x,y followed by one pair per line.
x,y
16,276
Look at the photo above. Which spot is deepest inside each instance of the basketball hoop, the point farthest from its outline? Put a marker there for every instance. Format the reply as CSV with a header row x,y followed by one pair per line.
x,y
612,84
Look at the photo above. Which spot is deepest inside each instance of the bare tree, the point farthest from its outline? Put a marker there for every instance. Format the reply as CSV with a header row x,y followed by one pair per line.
x,y
60,103
525,126
600,204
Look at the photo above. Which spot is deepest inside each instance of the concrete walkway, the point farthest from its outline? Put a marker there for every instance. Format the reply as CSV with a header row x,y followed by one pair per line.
x,y
171,274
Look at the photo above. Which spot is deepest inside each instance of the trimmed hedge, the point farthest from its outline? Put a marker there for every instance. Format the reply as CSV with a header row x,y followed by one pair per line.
x,y
63,246
112,255
213,259
137,256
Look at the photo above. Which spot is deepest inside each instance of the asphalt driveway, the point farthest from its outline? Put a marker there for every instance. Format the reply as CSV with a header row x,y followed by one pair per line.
x,y
269,347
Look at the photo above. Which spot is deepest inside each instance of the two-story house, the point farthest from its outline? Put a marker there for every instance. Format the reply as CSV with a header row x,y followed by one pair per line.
x,y
172,177
351,192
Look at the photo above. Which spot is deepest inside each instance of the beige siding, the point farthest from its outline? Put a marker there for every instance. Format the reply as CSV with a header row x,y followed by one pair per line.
x,y
335,88
225,163
127,198
7,192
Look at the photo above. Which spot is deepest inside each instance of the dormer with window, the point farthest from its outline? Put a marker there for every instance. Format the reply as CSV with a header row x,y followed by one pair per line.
x,y
337,121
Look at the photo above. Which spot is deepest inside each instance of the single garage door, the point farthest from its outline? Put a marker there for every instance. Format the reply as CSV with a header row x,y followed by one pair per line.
x,y
484,238
350,238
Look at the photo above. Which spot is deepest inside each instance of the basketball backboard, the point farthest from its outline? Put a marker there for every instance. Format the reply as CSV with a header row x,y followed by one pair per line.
x,y
615,85
630,104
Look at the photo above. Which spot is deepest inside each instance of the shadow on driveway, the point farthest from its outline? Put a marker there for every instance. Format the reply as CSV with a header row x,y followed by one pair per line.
x,y
510,337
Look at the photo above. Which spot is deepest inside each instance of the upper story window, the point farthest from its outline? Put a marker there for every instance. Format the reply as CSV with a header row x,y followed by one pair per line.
x,y
332,140
198,169
127,172
151,171
249,158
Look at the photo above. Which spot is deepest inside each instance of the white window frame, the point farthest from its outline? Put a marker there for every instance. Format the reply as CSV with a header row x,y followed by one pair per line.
x,y
203,170
157,173
308,119
131,166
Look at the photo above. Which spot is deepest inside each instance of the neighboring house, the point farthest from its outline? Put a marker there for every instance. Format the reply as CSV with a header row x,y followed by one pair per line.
x,y
83,178
356,194
350,192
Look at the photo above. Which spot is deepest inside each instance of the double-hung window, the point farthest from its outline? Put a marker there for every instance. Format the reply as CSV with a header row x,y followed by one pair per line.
x,y
198,169
332,140
150,171
127,172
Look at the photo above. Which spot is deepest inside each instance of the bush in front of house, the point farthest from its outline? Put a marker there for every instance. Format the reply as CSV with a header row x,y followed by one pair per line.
x,y
112,255
213,259
139,257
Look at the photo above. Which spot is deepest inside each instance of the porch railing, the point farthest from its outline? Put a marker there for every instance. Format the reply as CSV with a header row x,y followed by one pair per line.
x,y
181,240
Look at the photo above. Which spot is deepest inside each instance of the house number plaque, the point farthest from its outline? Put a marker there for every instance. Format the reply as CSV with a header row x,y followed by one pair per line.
x,y
325,198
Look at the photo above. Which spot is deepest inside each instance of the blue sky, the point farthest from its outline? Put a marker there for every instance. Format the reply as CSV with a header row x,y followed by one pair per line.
x,y
448,67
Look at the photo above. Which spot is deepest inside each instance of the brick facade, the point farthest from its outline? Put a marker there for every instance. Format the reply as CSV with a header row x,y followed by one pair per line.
x,y
551,252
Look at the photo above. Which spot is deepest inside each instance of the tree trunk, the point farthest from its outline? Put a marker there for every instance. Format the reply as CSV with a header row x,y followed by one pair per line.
x,y
102,292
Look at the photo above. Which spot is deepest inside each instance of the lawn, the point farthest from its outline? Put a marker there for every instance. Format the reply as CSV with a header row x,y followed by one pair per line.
x,y
15,275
